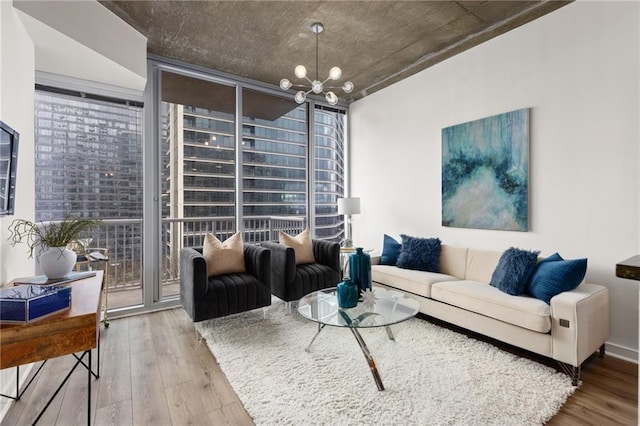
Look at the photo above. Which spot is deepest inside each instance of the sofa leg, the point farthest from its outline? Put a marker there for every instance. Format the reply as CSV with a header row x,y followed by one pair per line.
x,y
575,375
287,308
601,351
265,312
571,371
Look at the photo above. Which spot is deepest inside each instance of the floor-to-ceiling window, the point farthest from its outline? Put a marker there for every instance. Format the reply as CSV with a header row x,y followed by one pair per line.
x,y
274,165
329,169
88,163
198,173
214,155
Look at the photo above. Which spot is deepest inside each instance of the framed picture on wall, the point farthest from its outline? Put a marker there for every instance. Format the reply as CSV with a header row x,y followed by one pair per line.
x,y
485,173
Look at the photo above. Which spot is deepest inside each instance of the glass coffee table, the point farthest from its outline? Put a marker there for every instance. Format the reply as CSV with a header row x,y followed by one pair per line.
x,y
389,307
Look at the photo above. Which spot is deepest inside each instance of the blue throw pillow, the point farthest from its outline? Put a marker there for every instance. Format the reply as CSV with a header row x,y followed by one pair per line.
x,y
514,270
553,258
555,275
390,251
422,254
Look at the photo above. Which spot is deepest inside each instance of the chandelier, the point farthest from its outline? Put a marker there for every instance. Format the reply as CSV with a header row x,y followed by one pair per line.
x,y
317,86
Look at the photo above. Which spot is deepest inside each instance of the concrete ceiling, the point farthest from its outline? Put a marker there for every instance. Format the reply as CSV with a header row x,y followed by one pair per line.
x,y
376,43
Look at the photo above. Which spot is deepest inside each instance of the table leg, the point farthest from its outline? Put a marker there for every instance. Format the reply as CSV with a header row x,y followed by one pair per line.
x,y
369,358
78,362
18,392
17,398
390,334
106,294
89,391
320,327
98,375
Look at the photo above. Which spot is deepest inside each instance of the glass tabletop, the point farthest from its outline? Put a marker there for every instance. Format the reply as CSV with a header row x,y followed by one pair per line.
x,y
389,307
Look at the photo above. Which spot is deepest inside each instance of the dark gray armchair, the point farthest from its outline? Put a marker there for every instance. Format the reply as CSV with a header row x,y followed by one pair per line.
x,y
290,281
205,297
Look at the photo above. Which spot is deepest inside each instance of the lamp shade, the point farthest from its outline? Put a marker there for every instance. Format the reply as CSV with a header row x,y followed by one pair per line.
x,y
349,205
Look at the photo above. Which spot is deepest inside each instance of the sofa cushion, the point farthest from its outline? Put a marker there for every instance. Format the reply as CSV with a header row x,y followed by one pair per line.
x,y
416,282
229,294
514,270
453,260
481,298
554,275
481,264
390,251
422,254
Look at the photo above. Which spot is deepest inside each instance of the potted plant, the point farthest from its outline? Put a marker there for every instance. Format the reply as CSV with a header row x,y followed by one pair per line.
x,y
55,258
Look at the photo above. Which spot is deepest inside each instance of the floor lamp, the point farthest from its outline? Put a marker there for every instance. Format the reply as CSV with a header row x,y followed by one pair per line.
x,y
347,207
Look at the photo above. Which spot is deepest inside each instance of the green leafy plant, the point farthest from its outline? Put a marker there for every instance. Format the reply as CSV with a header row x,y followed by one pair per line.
x,y
52,234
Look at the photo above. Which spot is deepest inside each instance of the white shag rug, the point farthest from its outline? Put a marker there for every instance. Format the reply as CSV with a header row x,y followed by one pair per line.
x,y
432,375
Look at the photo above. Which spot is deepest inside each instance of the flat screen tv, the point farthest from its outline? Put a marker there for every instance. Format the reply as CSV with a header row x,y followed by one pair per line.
x,y
8,168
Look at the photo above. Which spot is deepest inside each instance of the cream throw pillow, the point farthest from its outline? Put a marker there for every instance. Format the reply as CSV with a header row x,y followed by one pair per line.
x,y
223,258
301,244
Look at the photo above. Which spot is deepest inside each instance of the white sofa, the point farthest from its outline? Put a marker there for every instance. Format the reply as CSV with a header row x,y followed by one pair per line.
x,y
569,330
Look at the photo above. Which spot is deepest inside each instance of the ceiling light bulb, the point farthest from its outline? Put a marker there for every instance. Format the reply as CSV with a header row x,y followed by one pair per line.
x,y
285,84
300,71
300,97
331,98
335,73
316,86
347,87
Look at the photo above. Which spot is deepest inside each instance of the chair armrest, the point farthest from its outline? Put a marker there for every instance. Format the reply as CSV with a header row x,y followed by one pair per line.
x,y
579,322
193,278
257,261
327,253
283,264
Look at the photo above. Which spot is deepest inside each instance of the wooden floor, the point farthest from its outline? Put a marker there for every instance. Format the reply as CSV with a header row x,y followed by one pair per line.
x,y
155,371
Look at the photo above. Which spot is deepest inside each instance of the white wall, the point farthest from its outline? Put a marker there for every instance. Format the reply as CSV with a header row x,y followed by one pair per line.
x,y
17,72
578,70
83,39
16,109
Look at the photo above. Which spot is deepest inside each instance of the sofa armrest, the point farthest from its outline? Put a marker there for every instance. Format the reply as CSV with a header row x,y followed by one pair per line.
x,y
193,278
327,253
257,261
579,323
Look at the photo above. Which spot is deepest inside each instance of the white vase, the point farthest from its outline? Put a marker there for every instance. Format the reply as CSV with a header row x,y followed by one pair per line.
x,y
56,262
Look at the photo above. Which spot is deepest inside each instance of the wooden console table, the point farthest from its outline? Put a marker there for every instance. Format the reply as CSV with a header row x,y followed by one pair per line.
x,y
74,330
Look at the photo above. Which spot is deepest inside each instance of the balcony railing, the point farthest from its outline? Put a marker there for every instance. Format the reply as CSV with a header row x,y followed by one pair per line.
x,y
123,240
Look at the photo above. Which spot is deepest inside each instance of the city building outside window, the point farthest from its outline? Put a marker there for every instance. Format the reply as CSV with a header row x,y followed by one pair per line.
x,y
285,171
88,163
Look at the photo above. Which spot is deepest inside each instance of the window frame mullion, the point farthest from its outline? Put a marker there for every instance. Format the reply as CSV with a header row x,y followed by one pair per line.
x,y
239,169
311,175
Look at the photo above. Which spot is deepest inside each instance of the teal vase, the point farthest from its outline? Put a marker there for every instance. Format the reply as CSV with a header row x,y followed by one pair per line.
x,y
347,294
360,269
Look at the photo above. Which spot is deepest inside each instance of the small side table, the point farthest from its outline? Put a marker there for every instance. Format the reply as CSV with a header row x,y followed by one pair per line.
x,y
345,252
98,256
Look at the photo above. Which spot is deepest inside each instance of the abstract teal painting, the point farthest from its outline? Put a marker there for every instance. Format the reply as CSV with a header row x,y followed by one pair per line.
x,y
485,173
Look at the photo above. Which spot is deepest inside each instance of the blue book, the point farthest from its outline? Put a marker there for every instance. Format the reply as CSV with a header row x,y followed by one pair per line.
x,y
25,303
